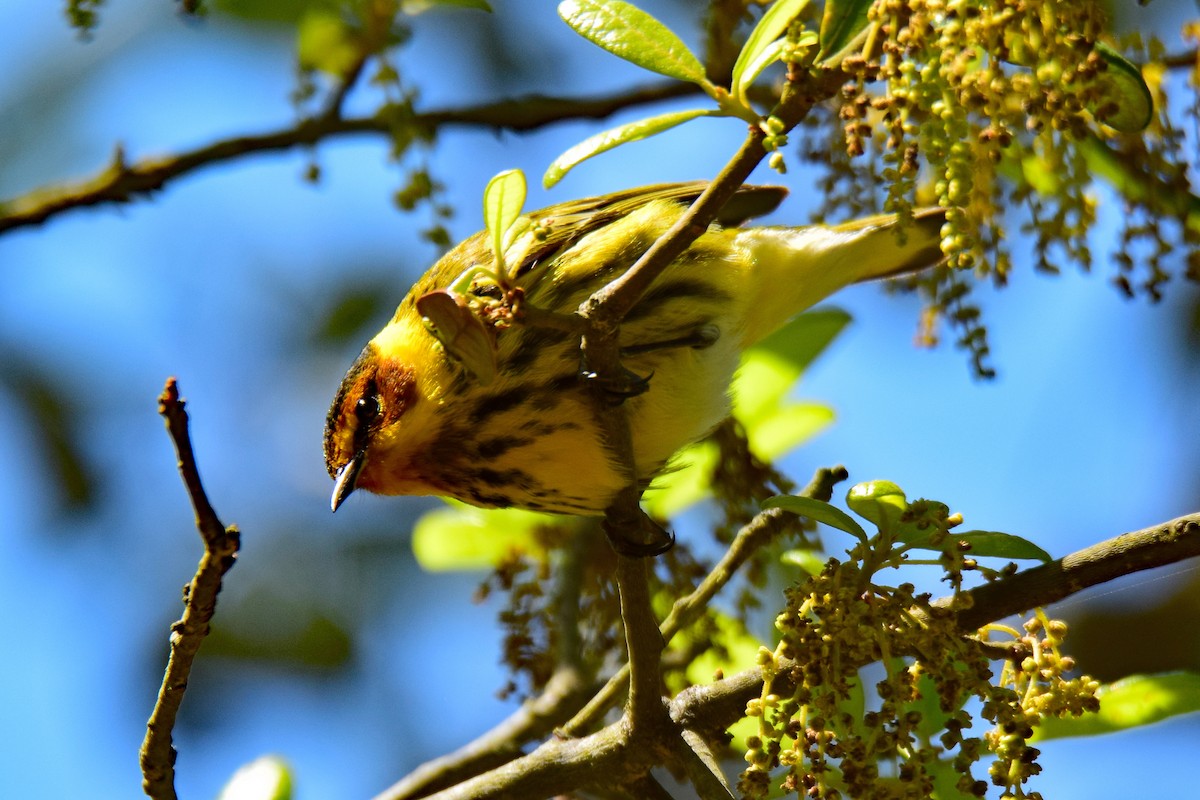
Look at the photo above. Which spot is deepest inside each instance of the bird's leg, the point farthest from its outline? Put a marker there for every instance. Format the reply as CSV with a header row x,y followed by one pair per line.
x,y
631,532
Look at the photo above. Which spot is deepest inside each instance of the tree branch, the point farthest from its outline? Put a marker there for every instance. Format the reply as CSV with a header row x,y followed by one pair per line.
x,y
200,600
122,182
1156,546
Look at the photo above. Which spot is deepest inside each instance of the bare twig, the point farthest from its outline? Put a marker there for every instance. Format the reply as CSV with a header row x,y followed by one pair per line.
x,y
200,601
123,182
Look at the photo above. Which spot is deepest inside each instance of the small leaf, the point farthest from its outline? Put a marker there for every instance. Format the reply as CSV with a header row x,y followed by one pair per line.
x,y
765,59
816,510
772,25
265,778
842,21
467,538
881,502
1130,703
503,200
809,561
607,140
325,42
630,33
1126,103
461,332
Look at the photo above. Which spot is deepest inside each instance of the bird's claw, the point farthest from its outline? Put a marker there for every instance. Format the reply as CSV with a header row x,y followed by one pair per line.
x,y
650,539
620,388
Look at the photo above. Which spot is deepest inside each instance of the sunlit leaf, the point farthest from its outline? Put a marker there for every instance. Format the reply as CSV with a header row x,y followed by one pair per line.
x,y
1130,703
1126,103
810,561
881,502
461,332
325,42
771,367
816,510
778,432
466,538
607,140
265,778
772,25
630,33
766,58
687,482
842,21
985,544
503,200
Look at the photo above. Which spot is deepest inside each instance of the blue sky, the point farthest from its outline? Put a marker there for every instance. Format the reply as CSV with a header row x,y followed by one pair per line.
x,y
1088,431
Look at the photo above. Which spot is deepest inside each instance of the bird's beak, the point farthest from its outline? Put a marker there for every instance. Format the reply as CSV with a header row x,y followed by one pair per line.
x,y
346,479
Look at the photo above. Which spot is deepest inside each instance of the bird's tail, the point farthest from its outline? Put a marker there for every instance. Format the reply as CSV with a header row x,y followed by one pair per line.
x,y
794,268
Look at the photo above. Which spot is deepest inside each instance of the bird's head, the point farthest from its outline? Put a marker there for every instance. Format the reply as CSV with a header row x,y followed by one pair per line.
x,y
366,441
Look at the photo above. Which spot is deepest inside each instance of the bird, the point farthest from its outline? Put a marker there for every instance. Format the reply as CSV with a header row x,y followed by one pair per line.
x,y
473,389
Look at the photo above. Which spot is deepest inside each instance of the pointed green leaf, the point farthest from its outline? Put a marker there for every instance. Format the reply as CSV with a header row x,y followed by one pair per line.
x,y
816,510
773,434
772,25
467,538
607,140
503,200
766,58
1126,103
842,21
882,502
1130,703
630,33
266,778
984,544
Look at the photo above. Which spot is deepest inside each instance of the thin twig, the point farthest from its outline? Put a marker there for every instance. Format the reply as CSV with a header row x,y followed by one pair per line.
x,y
200,601
121,182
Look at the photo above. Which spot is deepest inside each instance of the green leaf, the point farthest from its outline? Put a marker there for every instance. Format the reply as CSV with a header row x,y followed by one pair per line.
x,y
774,433
842,21
810,561
325,42
1130,703
881,502
632,34
984,544
607,140
771,367
466,538
265,778
503,200
765,59
816,510
1124,92
688,481
772,25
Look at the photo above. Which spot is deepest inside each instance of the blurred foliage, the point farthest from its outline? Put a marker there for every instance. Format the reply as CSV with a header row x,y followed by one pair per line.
x,y
55,416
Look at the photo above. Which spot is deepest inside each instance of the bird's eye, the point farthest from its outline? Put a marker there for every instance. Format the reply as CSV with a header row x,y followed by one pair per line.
x,y
366,409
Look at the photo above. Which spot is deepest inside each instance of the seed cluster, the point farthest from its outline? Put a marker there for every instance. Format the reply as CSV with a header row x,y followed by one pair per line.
x,y
825,732
995,110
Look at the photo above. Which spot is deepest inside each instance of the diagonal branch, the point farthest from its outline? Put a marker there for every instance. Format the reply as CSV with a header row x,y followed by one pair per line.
x,y
200,601
123,182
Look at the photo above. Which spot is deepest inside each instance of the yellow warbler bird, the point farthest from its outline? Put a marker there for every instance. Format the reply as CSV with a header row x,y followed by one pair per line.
x,y
464,395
